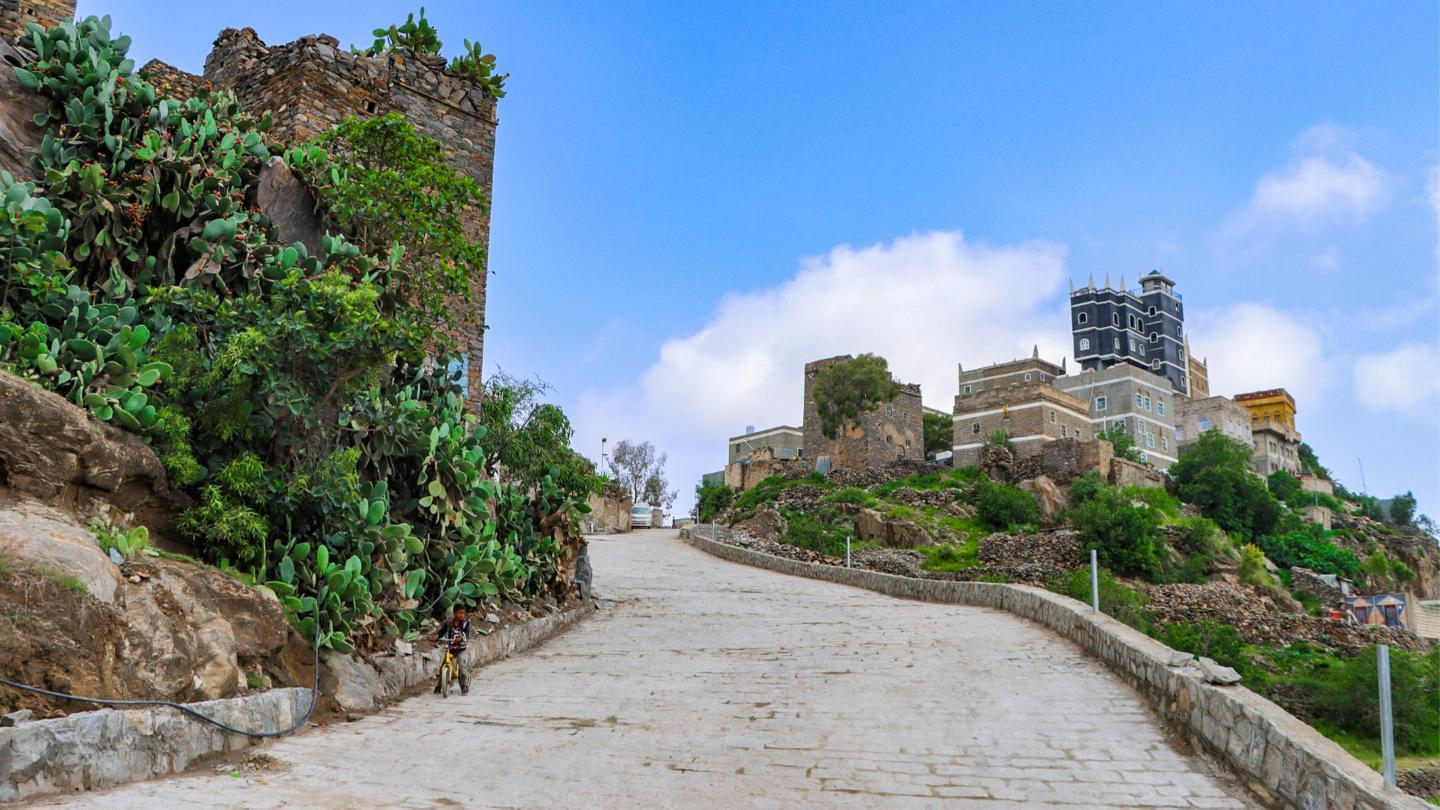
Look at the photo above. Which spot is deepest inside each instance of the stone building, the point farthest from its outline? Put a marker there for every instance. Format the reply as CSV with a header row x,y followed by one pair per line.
x,y
894,430
312,84
1272,427
1195,416
759,465
1128,396
1144,328
785,441
46,13
1019,399
1199,371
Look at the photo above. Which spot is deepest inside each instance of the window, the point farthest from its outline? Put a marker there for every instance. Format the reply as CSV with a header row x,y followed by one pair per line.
x,y
1139,400
1132,344
1100,404
1151,311
1043,378
1160,406
1117,344
1082,318
1027,376
1146,406
1114,319
1084,344
1052,417
1164,442
889,410
1064,432
1144,457
966,389
1155,364
1179,330
1150,440
1154,337
975,428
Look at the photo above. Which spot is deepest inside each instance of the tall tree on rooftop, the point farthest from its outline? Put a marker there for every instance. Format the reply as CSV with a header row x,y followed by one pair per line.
x,y
848,389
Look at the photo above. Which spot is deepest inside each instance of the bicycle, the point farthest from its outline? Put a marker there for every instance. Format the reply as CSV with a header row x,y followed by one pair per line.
x,y
449,672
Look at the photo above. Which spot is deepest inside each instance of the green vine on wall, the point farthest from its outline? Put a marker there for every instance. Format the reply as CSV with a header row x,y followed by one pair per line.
x,y
417,35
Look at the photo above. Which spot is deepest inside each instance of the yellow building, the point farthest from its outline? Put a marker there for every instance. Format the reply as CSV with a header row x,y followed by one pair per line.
x,y
1272,424
1274,406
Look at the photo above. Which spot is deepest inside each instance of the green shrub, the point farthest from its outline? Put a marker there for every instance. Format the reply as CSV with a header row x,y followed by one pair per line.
x,y
809,532
1309,547
1123,603
1125,535
711,500
1085,487
1122,442
1283,485
852,495
1347,694
1004,506
1190,571
128,544
1211,639
1251,568
951,557
1214,474
1402,509
1000,438
1199,536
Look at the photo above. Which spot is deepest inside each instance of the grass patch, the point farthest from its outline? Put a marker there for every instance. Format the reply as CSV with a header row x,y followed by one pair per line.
x,y
953,557
69,582
932,481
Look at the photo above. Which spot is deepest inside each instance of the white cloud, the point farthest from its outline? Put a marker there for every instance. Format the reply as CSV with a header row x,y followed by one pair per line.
x,y
1406,380
1251,347
1326,182
924,302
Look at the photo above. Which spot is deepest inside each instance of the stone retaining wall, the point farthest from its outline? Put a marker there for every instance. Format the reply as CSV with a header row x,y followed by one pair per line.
x,y
1283,761
109,747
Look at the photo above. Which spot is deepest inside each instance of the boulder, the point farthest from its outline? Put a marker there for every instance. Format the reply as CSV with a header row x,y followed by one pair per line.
x,y
52,452
1215,673
870,527
290,205
45,537
584,574
19,137
767,524
907,534
1051,499
351,684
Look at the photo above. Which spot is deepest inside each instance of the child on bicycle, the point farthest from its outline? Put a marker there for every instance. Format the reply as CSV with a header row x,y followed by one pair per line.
x,y
456,633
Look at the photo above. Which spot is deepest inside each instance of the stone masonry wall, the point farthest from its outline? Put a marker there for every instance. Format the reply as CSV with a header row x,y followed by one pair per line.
x,y
1284,762
48,13
311,85
892,431
105,748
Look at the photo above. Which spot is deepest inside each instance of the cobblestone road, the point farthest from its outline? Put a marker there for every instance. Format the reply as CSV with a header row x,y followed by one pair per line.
x,y
711,684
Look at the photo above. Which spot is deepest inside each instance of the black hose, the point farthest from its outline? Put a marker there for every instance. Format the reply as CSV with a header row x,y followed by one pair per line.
x,y
314,697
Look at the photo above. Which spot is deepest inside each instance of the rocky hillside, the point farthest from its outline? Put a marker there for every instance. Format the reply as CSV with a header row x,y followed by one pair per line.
x,y
135,622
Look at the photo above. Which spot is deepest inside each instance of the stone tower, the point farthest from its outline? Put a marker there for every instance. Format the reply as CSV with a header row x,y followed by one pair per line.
x,y
1145,328
48,13
894,430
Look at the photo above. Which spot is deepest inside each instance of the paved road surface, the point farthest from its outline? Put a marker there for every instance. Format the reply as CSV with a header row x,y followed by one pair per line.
x,y
712,684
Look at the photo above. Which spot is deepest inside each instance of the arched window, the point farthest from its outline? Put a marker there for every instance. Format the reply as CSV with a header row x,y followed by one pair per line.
x,y
1082,318
1084,344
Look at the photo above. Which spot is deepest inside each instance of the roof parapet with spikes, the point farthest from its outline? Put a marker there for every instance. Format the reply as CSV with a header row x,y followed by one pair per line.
x,y
1107,280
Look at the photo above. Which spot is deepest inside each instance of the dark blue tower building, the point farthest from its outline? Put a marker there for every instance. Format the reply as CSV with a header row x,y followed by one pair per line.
x,y
1145,328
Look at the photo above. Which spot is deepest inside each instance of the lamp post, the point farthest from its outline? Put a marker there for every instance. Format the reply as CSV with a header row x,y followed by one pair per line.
x,y
602,454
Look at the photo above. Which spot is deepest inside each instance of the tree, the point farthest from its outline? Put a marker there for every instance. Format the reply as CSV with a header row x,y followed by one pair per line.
x,y
1214,475
939,433
1283,485
1402,509
637,468
711,500
527,439
1122,441
1125,533
848,389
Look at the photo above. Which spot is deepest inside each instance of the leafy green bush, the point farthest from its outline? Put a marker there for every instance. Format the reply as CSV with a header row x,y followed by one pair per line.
x,y
1283,485
1004,506
1122,442
711,500
128,544
1347,694
1213,473
1085,487
1251,568
812,533
852,495
1309,547
846,390
1211,639
1199,536
1125,534
1123,603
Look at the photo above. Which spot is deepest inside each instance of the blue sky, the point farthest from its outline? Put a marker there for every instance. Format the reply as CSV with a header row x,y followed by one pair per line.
x,y
692,201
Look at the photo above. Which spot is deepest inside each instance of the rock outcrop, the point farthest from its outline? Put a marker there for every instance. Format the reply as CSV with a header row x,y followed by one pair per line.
x,y
53,453
872,526
1051,499
19,137
767,524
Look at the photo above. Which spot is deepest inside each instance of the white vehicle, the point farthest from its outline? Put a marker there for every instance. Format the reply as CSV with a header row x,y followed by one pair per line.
x,y
640,516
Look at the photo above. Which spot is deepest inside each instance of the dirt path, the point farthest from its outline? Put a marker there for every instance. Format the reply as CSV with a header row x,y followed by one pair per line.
x,y
711,684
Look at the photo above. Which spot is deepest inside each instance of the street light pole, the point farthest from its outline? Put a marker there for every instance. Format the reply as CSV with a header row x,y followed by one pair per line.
x,y
602,455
